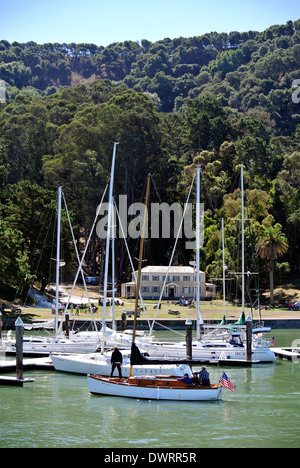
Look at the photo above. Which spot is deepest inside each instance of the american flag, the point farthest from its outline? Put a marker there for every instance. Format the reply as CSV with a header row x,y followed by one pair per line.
x,y
224,380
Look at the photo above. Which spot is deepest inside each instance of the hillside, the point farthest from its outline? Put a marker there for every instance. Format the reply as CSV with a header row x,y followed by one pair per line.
x,y
249,71
219,100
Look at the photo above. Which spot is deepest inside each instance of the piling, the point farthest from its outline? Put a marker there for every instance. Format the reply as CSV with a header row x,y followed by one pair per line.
x,y
19,347
249,326
124,321
189,339
67,324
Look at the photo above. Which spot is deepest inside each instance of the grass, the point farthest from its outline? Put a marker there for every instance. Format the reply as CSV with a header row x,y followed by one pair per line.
x,y
210,312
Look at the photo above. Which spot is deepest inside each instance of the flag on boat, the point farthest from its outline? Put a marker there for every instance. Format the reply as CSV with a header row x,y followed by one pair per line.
x,y
226,382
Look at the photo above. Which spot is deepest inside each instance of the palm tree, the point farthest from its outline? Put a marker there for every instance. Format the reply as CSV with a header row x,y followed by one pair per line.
x,y
272,244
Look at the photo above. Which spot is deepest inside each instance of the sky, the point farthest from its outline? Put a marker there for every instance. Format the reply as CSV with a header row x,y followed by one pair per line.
x,y
103,22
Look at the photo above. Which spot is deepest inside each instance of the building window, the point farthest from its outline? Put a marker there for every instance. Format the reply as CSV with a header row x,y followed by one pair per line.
x,y
155,277
186,290
176,278
155,289
145,277
187,278
145,289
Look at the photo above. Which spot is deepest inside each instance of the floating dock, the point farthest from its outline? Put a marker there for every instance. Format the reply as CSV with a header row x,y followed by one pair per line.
x,y
13,381
291,354
28,364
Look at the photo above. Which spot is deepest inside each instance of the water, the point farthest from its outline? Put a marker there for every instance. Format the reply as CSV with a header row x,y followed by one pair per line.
x,y
57,410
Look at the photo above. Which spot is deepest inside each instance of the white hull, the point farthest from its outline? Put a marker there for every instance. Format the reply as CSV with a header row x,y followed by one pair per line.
x,y
114,387
45,346
205,351
82,342
98,364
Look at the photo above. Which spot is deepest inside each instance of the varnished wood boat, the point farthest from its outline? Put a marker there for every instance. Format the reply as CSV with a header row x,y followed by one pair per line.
x,y
153,388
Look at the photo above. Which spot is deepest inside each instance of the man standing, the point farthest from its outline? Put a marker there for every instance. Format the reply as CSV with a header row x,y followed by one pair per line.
x,y
116,361
204,377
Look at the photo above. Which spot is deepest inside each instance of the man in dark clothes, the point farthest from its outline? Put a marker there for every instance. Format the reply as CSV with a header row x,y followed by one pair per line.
x,y
116,361
204,377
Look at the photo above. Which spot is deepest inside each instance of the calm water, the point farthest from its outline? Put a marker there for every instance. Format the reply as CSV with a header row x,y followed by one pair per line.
x,y
57,410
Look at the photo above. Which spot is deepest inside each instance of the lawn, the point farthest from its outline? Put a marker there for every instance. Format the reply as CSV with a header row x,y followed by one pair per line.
x,y
210,311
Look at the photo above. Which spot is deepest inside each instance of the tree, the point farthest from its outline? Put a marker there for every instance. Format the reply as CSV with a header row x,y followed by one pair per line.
x,y
15,276
272,244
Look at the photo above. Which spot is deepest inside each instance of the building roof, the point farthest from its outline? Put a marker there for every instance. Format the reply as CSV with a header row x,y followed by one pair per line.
x,y
173,270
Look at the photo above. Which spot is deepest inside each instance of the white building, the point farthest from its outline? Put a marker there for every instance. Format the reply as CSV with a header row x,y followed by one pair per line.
x,y
181,281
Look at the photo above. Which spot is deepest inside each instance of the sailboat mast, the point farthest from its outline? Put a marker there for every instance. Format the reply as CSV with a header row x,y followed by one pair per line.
x,y
224,267
141,259
58,255
110,207
198,233
243,241
140,265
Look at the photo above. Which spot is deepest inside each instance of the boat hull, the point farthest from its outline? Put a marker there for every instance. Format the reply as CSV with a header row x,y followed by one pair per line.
x,y
44,347
204,352
97,364
159,390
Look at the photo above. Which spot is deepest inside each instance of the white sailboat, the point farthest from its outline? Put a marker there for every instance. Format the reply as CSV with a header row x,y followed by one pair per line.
x,y
97,363
209,347
45,345
151,387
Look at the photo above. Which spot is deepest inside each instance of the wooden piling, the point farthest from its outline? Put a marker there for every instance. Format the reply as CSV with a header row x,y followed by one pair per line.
x,y
124,321
67,324
19,348
189,339
249,326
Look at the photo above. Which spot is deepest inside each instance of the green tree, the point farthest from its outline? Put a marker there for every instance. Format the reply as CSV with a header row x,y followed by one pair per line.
x,y
270,245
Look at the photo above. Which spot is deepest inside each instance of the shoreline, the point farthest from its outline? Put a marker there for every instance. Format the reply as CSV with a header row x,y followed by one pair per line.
x,y
163,324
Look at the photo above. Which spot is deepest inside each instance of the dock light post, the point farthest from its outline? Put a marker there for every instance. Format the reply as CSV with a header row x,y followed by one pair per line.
x,y
189,339
249,325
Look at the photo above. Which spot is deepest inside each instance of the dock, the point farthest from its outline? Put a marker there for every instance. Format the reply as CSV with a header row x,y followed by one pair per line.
x,y
291,354
28,364
13,381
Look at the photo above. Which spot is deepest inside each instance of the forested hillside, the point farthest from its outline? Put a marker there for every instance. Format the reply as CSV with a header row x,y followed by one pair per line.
x,y
219,100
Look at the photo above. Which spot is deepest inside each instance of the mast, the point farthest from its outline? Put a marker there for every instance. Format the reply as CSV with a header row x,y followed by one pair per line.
x,y
113,277
243,241
110,207
224,269
198,234
58,255
140,266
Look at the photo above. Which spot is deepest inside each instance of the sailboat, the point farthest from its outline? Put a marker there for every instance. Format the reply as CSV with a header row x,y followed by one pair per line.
x,y
159,387
45,345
